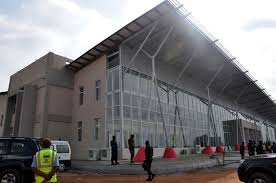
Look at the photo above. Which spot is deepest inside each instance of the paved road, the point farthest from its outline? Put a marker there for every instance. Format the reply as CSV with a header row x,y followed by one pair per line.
x,y
213,175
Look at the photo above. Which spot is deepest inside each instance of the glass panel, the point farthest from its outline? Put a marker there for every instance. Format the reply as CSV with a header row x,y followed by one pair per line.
x,y
126,99
135,114
116,98
17,147
127,82
144,103
143,85
135,82
109,81
126,112
62,148
144,115
116,112
135,101
109,113
116,79
137,133
109,100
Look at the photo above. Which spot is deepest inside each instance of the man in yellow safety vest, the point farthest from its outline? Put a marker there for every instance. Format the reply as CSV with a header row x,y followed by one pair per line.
x,y
45,164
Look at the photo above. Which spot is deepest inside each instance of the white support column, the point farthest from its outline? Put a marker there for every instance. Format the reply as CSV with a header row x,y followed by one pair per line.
x,y
209,113
139,49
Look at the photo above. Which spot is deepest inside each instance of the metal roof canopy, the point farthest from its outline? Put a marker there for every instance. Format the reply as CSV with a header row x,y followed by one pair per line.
x,y
254,96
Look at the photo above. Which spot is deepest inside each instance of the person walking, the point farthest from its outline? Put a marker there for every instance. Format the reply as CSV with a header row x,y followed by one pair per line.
x,y
274,147
114,151
260,149
268,147
242,150
45,164
251,148
147,163
131,146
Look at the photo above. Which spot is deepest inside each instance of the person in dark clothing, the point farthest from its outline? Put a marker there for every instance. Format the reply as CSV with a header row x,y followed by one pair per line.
x,y
147,163
114,151
131,146
251,148
242,150
268,147
260,149
274,147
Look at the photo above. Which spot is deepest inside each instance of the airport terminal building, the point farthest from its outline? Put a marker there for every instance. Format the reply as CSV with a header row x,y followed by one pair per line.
x,y
162,77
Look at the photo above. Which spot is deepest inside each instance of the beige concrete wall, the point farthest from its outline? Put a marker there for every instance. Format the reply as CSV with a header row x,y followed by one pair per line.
x,y
59,112
27,116
3,108
39,111
90,110
53,106
29,74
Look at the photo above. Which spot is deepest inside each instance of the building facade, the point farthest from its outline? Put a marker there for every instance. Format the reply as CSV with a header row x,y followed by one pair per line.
x,y
3,106
162,77
39,100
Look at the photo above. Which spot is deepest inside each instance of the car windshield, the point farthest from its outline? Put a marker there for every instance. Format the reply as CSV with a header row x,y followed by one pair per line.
x,y
62,148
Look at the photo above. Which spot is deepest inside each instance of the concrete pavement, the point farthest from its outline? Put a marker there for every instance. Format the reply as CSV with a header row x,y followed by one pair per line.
x,y
159,165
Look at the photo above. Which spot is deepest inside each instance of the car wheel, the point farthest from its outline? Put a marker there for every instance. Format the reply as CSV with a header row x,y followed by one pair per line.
x,y
61,168
9,176
260,178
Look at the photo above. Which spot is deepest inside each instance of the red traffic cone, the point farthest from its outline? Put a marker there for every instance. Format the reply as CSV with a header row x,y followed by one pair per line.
x,y
219,149
169,153
140,155
208,150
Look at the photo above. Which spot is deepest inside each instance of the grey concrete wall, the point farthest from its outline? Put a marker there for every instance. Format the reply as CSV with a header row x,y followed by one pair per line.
x,y
3,109
90,110
27,117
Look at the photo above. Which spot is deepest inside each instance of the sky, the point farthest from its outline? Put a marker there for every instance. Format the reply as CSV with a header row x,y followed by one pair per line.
x,y
30,29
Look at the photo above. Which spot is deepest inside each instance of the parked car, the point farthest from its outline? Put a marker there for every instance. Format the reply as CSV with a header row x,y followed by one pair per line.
x,y
258,169
63,153
16,155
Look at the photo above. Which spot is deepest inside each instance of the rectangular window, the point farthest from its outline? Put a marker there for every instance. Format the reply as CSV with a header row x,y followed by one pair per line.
x,y
4,147
62,148
17,147
98,89
79,131
2,119
97,127
81,95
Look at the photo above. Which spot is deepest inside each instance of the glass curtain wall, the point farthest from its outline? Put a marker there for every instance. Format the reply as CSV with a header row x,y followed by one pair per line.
x,y
142,114
112,106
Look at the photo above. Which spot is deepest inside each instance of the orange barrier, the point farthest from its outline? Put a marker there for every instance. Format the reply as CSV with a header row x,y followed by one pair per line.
x,y
219,149
237,147
169,153
208,150
140,155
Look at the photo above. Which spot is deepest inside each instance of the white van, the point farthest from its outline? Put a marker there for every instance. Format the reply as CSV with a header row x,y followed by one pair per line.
x,y
63,152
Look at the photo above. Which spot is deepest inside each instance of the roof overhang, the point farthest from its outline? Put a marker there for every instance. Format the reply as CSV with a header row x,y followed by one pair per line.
x,y
241,86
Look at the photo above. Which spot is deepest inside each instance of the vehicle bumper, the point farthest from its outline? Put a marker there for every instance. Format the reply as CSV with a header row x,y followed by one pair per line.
x,y
67,163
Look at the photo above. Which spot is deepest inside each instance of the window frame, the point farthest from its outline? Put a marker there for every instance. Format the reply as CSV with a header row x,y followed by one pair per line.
x,y
79,131
98,89
81,95
97,129
2,120
8,146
